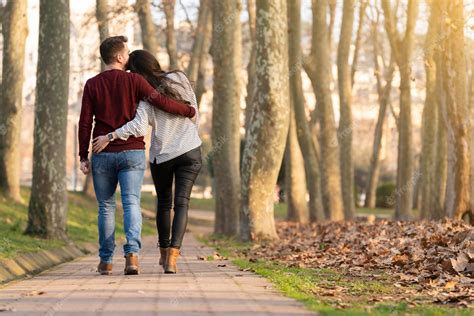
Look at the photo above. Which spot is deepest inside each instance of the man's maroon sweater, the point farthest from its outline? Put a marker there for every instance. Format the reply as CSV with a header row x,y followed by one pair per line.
x,y
111,98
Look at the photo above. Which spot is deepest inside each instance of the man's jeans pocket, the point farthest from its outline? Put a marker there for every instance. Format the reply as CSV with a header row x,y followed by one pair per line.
x,y
100,163
134,160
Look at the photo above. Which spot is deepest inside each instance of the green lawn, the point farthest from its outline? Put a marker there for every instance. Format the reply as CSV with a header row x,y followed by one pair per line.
x,y
81,225
311,286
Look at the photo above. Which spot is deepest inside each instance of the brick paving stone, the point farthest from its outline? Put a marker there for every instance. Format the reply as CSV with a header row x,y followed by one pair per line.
x,y
199,288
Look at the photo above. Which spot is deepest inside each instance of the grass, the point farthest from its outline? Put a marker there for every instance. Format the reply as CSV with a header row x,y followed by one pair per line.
x,y
310,286
81,225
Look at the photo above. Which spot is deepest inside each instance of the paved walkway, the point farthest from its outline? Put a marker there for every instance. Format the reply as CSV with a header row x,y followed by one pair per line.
x,y
200,288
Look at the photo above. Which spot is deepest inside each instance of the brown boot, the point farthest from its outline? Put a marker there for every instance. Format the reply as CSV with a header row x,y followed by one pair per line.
x,y
131,264
163,253
172,256
104,268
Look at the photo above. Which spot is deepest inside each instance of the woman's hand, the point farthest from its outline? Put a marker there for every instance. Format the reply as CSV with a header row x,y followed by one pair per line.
x,y
99,143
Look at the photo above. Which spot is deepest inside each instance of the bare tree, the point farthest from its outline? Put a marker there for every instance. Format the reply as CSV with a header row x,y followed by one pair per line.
x,y
149,38
15,31
48,202
251,9
268,126
320,75
226,55
382,73
199,54
345,121
198,43
303,132
168,8
203,61
430,115
402,48
295,181
355,57
457,201
101,10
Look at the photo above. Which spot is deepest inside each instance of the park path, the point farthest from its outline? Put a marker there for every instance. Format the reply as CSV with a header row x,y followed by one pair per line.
x,y
200,288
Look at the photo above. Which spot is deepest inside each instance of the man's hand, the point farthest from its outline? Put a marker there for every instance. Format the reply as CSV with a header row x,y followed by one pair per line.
x,y
85,166
193,119
99,143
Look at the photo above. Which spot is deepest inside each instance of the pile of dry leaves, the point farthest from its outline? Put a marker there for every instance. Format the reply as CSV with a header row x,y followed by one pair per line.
x,y
436,258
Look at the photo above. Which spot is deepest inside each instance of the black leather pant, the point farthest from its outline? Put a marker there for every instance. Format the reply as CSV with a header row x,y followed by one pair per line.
x,y
184,170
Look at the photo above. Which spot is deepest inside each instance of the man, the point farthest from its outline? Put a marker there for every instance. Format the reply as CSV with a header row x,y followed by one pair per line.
x,y
111,99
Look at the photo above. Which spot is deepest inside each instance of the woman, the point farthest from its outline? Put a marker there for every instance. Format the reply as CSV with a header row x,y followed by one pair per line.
x,y
175,152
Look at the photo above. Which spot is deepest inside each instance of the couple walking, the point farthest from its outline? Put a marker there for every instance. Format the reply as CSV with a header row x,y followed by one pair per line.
x,y
123,104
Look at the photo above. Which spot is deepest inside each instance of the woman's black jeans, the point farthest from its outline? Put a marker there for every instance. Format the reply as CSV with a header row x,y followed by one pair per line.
x,y
184,170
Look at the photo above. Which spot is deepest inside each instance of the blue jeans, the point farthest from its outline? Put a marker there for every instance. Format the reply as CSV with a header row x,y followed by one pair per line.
x,y
108,169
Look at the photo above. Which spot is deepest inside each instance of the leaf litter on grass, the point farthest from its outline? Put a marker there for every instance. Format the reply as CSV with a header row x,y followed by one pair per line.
x,y
428,261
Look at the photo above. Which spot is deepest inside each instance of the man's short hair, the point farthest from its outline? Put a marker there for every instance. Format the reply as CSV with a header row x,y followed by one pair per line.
x,y
110,47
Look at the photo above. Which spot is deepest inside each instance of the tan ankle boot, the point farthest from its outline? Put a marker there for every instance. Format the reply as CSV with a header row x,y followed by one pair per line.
x,y
131,264
163,253
172,256
104,268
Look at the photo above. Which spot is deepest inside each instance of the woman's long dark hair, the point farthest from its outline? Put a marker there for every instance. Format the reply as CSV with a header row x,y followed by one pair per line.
x,y
144,63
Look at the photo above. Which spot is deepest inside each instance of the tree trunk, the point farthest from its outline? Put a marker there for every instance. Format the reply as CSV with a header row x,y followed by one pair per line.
x,y
471,140
48,203
457,108
402,49
226,54
149,39
101,10
383,92
345,121
295,182
268,127
203,61
429,116
311,163
331,177
358,40
199,37
251,7
438,196
15,31
168,8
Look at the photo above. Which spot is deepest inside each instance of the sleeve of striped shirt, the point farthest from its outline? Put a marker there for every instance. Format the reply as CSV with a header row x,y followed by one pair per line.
x,y
186,91
138,126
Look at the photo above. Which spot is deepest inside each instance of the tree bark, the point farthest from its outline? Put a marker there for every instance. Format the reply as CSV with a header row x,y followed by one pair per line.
x,y
358,40
203,61
311,163
402,49
457,108
168,8
295,181
429,116
48,202
329,145
15,31
345,121
383,92
226,54
268,127
251,8
199,37
101,14
149,39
